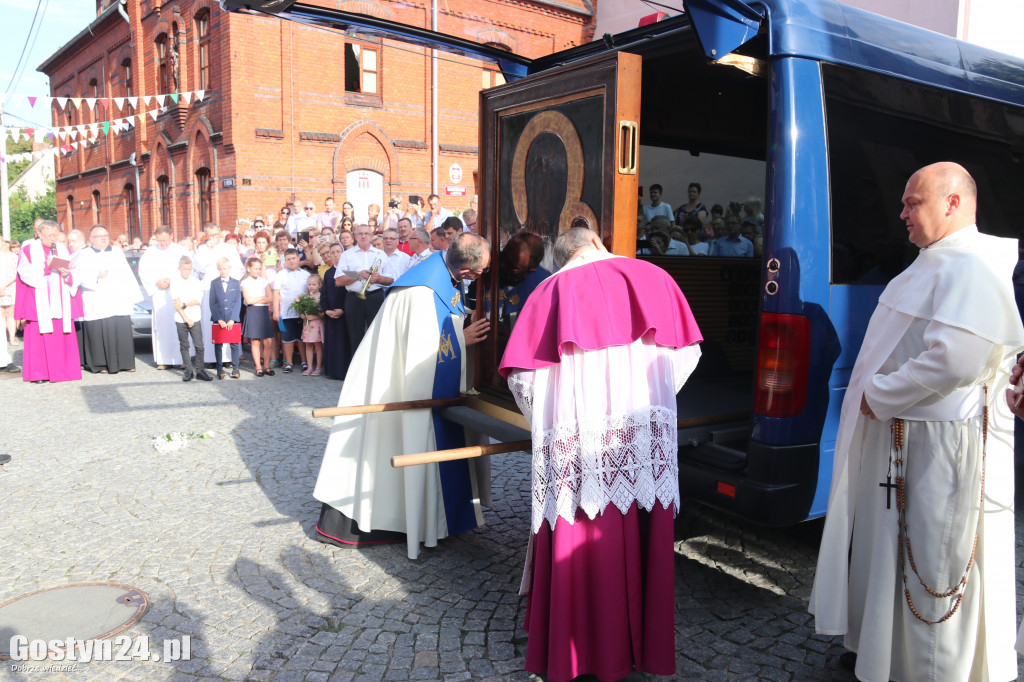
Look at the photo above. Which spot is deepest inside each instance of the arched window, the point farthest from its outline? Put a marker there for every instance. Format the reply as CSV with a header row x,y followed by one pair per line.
x,y
94,92
129,89
70,213
96,217
164,186
163,69
203,31
204,193
131,211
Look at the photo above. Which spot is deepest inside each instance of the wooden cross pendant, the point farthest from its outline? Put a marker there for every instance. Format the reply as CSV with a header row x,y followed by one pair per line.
x,y
889,486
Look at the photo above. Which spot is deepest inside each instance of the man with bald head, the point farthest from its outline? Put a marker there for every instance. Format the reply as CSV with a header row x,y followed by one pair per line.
x,y
916,565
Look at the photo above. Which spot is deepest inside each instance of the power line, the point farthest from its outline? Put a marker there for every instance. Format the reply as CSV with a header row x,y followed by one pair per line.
x,y
39,29
24,48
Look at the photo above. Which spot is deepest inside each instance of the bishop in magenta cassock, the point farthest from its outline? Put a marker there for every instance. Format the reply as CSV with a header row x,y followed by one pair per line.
x,y
43,300
598,385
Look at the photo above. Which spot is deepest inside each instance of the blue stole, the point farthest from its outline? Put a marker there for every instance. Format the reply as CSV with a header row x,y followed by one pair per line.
x,y
514,297
456,481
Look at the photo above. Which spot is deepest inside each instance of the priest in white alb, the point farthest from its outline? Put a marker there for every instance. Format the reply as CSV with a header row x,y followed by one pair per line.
x,y
156,268
109,291
413,350
205,269
916,564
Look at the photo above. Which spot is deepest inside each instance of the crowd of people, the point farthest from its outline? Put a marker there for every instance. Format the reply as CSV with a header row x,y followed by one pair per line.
x,y
693,230
299,292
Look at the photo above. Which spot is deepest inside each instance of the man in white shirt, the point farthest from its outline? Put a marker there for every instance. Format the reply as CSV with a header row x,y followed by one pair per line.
x,y
419,242
397,262
359,312
657,207
204,268
305,220
289,283
437,213
187,295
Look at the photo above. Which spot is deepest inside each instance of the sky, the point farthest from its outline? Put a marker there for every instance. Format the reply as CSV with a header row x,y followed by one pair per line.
x,y
61,21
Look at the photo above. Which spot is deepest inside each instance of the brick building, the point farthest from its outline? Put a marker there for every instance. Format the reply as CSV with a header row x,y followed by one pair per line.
x,y
289,110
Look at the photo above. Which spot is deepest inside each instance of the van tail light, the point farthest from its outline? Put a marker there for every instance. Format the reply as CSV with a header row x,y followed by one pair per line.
x,y
783,358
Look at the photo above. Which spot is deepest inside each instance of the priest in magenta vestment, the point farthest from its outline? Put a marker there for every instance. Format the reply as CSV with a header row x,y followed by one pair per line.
x,y
598,385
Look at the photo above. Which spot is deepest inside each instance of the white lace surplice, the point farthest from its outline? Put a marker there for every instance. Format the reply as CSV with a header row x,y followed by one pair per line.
x,y
604,428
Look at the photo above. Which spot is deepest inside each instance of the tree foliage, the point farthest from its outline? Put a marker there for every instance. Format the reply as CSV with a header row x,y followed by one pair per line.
x,y
18,167
25,209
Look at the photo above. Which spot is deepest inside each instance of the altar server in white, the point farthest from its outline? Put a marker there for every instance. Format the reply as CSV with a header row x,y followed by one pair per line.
x,y
916,565
156,268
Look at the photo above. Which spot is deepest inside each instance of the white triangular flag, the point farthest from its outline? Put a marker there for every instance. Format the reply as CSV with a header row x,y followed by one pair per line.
x,y
200,94
153,114
186,97
119,103
160,99
62,102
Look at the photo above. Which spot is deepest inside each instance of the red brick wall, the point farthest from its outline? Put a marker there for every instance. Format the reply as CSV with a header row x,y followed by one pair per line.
x,y
277,120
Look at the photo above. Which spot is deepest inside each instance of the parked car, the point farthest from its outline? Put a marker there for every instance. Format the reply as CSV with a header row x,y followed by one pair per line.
x,y
142,312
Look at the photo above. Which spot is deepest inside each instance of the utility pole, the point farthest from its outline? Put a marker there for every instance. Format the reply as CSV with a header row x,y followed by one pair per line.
x,y
5,199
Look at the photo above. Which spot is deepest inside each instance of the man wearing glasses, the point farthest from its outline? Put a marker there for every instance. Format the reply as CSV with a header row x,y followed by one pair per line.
x,y
397,261
419,242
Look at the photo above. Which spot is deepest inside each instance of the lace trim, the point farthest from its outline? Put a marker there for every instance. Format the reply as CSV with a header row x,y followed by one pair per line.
x,y
608,460
522,392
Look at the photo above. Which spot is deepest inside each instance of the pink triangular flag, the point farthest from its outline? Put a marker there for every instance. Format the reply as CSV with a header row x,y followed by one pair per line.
x,y
31,100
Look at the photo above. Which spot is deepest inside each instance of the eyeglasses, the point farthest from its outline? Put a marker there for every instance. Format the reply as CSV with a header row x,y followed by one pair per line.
x,y
310,208
286,212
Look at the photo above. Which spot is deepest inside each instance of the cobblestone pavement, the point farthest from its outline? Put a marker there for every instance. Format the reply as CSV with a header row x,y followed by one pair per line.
x,y
219,535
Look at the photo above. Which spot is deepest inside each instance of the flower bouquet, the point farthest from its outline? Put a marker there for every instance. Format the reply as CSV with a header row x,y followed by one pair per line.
x,y
307,304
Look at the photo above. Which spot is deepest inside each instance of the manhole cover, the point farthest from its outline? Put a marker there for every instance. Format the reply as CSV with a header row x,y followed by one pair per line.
x,y
82,611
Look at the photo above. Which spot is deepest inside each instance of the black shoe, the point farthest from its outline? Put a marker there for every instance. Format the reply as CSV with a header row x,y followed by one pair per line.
x,y
848,660
286,369
188,375
4,459
203,376
269,372
11,369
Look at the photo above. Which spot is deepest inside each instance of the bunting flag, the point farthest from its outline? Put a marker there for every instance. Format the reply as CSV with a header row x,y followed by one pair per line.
x,y
119,102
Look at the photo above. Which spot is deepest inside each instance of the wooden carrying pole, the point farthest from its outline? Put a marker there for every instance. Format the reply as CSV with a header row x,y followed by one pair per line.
x,y
517,445
388,407
399,461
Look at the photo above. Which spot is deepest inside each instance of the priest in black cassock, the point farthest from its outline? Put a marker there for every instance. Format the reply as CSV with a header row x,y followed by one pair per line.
x,y
109,290
332,301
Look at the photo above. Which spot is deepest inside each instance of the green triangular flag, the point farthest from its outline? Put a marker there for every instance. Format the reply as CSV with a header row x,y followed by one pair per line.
x,y
106,127
174,97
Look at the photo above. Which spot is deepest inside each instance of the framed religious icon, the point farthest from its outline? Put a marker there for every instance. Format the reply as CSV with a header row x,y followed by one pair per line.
x,y
557,151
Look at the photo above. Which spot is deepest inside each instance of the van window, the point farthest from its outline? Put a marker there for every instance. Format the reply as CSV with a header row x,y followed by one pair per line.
x,y
882,129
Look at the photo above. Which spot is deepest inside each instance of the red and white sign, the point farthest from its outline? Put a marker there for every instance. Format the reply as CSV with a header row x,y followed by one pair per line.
x,y
455,173
454,191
